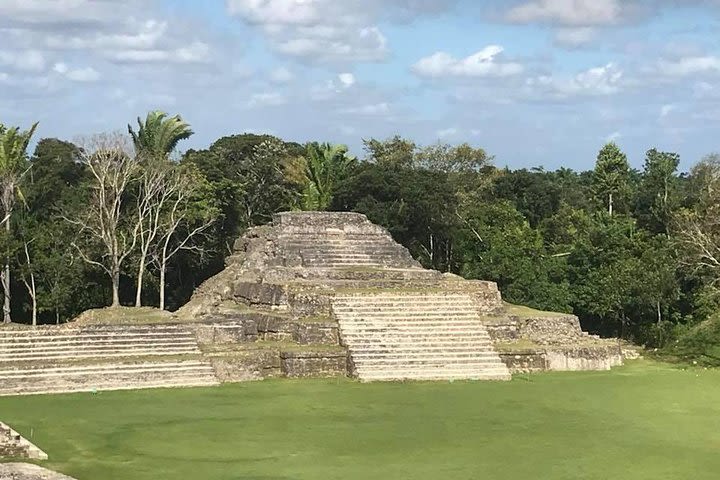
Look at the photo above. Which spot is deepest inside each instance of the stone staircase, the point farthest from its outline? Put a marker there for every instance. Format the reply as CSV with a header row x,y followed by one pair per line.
x,y
417,336
55,360
334,249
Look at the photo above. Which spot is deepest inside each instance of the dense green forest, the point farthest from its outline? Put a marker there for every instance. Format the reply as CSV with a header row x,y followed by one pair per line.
x,y
124,218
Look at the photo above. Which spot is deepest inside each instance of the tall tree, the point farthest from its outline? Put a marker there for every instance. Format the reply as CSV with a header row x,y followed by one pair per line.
x,y
611,176
107,226
392,151
658,193
326,165
13,166
156,138
189,213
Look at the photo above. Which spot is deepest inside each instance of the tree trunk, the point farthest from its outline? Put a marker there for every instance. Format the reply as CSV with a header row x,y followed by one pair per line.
x,y
141,272
34,299
162,285
115,287
6,281
610,203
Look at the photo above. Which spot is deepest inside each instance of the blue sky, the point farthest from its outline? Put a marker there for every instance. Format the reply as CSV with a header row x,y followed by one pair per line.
x,y
534,82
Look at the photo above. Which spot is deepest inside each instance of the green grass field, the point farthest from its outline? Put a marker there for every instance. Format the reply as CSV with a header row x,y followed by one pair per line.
x,y
642,421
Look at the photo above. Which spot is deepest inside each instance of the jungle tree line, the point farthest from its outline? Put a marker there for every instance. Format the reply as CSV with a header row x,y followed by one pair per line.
x,y
119,218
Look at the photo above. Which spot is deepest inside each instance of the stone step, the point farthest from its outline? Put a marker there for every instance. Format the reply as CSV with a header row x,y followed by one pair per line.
x,y
71,335
30,356
436,327
392,376
37,346
367,366
428,310
110,368
119,382
418,316
418,346
413,297
413,357
404,349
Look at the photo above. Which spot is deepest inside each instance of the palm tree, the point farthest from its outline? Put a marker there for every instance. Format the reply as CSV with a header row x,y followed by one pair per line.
x,y
13,165
326,164
154,141
158,136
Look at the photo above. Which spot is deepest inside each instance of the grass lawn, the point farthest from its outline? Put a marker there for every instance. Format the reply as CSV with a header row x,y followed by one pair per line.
x,y
643,421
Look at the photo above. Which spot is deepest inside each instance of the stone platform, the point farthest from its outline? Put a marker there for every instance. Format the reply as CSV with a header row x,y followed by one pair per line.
x,y
311,294
349,283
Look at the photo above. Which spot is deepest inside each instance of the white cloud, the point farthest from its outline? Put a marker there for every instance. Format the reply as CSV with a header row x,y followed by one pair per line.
x,y
374,109
87,74
25,61
604,80
142,35
197,52
484,63
686,66
613,137
447,132
281,75
329,30
266,99
568,12
574,37
666,110
347,79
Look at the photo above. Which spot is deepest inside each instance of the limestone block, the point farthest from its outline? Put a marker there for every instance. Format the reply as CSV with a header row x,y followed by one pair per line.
x,y
254,364
316,333
525,362
261,293
313,364
551,330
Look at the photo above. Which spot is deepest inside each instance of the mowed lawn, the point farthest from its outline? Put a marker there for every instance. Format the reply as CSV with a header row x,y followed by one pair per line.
x,y
642,421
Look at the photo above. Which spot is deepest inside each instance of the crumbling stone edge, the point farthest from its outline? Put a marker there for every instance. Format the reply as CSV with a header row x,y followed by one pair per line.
x,y
33,452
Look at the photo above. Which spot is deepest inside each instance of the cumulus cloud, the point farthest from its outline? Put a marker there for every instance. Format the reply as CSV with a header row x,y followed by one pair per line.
x,y
23,61
347,79
568,12
87,74
281,75
686,66
485,63
596,81
300,28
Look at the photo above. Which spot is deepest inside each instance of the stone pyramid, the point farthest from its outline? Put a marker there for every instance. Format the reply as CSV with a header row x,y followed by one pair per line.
x,y
396,320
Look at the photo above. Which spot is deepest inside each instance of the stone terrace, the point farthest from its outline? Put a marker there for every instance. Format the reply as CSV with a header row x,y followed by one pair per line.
x,y
311,294
90,358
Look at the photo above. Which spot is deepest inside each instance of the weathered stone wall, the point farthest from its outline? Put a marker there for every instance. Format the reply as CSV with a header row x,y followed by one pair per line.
x,y
253,364
584,358
313,364
13,445
562,358
26,471
505,330
549,330
525,362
